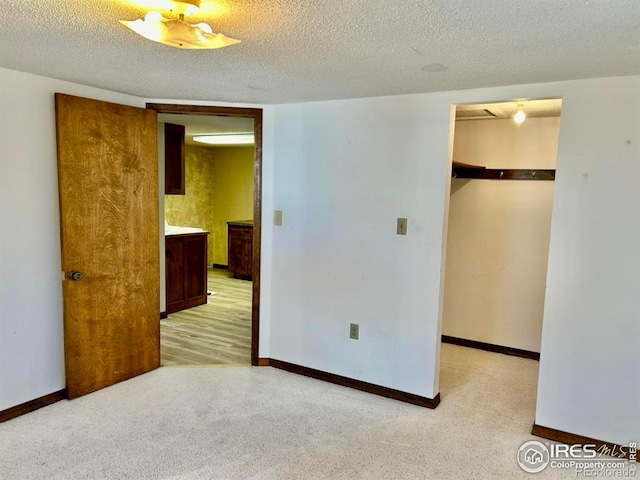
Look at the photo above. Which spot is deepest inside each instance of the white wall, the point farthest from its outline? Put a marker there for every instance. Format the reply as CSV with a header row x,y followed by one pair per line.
x,y
31,326
589,376
506,144
498,237
497,253
344,170
589,382
31,335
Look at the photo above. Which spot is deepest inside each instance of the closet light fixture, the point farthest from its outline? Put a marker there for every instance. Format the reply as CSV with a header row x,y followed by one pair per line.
x,y
225,139
520,116
175,32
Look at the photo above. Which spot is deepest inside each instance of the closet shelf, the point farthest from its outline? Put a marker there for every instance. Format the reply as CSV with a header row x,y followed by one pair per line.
x,y
466,166
465,170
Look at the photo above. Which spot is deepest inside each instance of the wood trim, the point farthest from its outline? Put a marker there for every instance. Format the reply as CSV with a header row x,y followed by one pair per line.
x,y
205,110
256,114
32,405
606,448
163,315
263,362
257,236
490,347
357,384
219,266
504,174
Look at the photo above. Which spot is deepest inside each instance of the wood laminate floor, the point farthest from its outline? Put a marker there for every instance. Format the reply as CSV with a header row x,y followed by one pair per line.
x,y
218,333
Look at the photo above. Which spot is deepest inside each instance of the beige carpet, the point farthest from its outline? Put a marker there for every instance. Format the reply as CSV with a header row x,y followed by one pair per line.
x,y
262,423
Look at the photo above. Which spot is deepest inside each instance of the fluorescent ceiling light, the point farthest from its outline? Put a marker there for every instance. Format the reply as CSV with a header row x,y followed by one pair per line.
x,y
225,139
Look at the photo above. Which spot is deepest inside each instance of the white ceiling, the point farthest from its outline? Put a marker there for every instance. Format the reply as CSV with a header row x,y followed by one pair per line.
x,y
203,124
304,50
207,124
497,111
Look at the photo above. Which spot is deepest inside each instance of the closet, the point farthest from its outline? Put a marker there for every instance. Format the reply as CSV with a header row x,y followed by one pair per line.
x,y
499,225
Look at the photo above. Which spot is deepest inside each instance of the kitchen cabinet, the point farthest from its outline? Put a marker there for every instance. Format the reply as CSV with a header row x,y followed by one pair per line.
x,y
174,176
186,270
240,248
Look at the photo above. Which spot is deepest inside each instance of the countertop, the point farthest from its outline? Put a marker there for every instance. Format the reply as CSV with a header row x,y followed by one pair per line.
x,y
203,232
177,231
241,223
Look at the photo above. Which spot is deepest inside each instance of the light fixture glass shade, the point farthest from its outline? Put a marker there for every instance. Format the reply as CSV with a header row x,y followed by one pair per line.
x,y
226,139
178,7
205,27
185,7
178,33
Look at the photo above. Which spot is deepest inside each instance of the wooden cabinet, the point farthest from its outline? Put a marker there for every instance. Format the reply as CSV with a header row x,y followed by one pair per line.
x,y
241,248
186,270
174,176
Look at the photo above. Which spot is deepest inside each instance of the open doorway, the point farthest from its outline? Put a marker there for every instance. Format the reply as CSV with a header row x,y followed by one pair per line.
x,y
500,205
211,247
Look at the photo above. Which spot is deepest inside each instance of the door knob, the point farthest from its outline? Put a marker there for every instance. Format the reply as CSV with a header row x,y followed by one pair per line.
x,y
75,276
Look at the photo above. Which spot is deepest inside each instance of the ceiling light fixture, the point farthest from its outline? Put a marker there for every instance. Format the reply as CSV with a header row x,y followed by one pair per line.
x,y
176,32
225,139
520,116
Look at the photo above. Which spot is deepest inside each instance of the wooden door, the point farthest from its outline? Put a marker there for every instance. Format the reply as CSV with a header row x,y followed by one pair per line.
x,y
108,187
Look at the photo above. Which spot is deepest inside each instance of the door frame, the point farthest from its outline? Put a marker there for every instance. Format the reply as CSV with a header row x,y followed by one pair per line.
x,y
256,114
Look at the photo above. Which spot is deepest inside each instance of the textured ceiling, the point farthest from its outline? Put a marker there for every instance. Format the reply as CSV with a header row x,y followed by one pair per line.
x,y
303,50
487,111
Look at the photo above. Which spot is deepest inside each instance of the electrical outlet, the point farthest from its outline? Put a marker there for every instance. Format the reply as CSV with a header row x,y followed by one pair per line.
x,y
354,331
402,226
277,218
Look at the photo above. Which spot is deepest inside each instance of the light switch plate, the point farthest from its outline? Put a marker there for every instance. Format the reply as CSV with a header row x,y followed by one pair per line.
x,y
354,331
277,218
402,226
